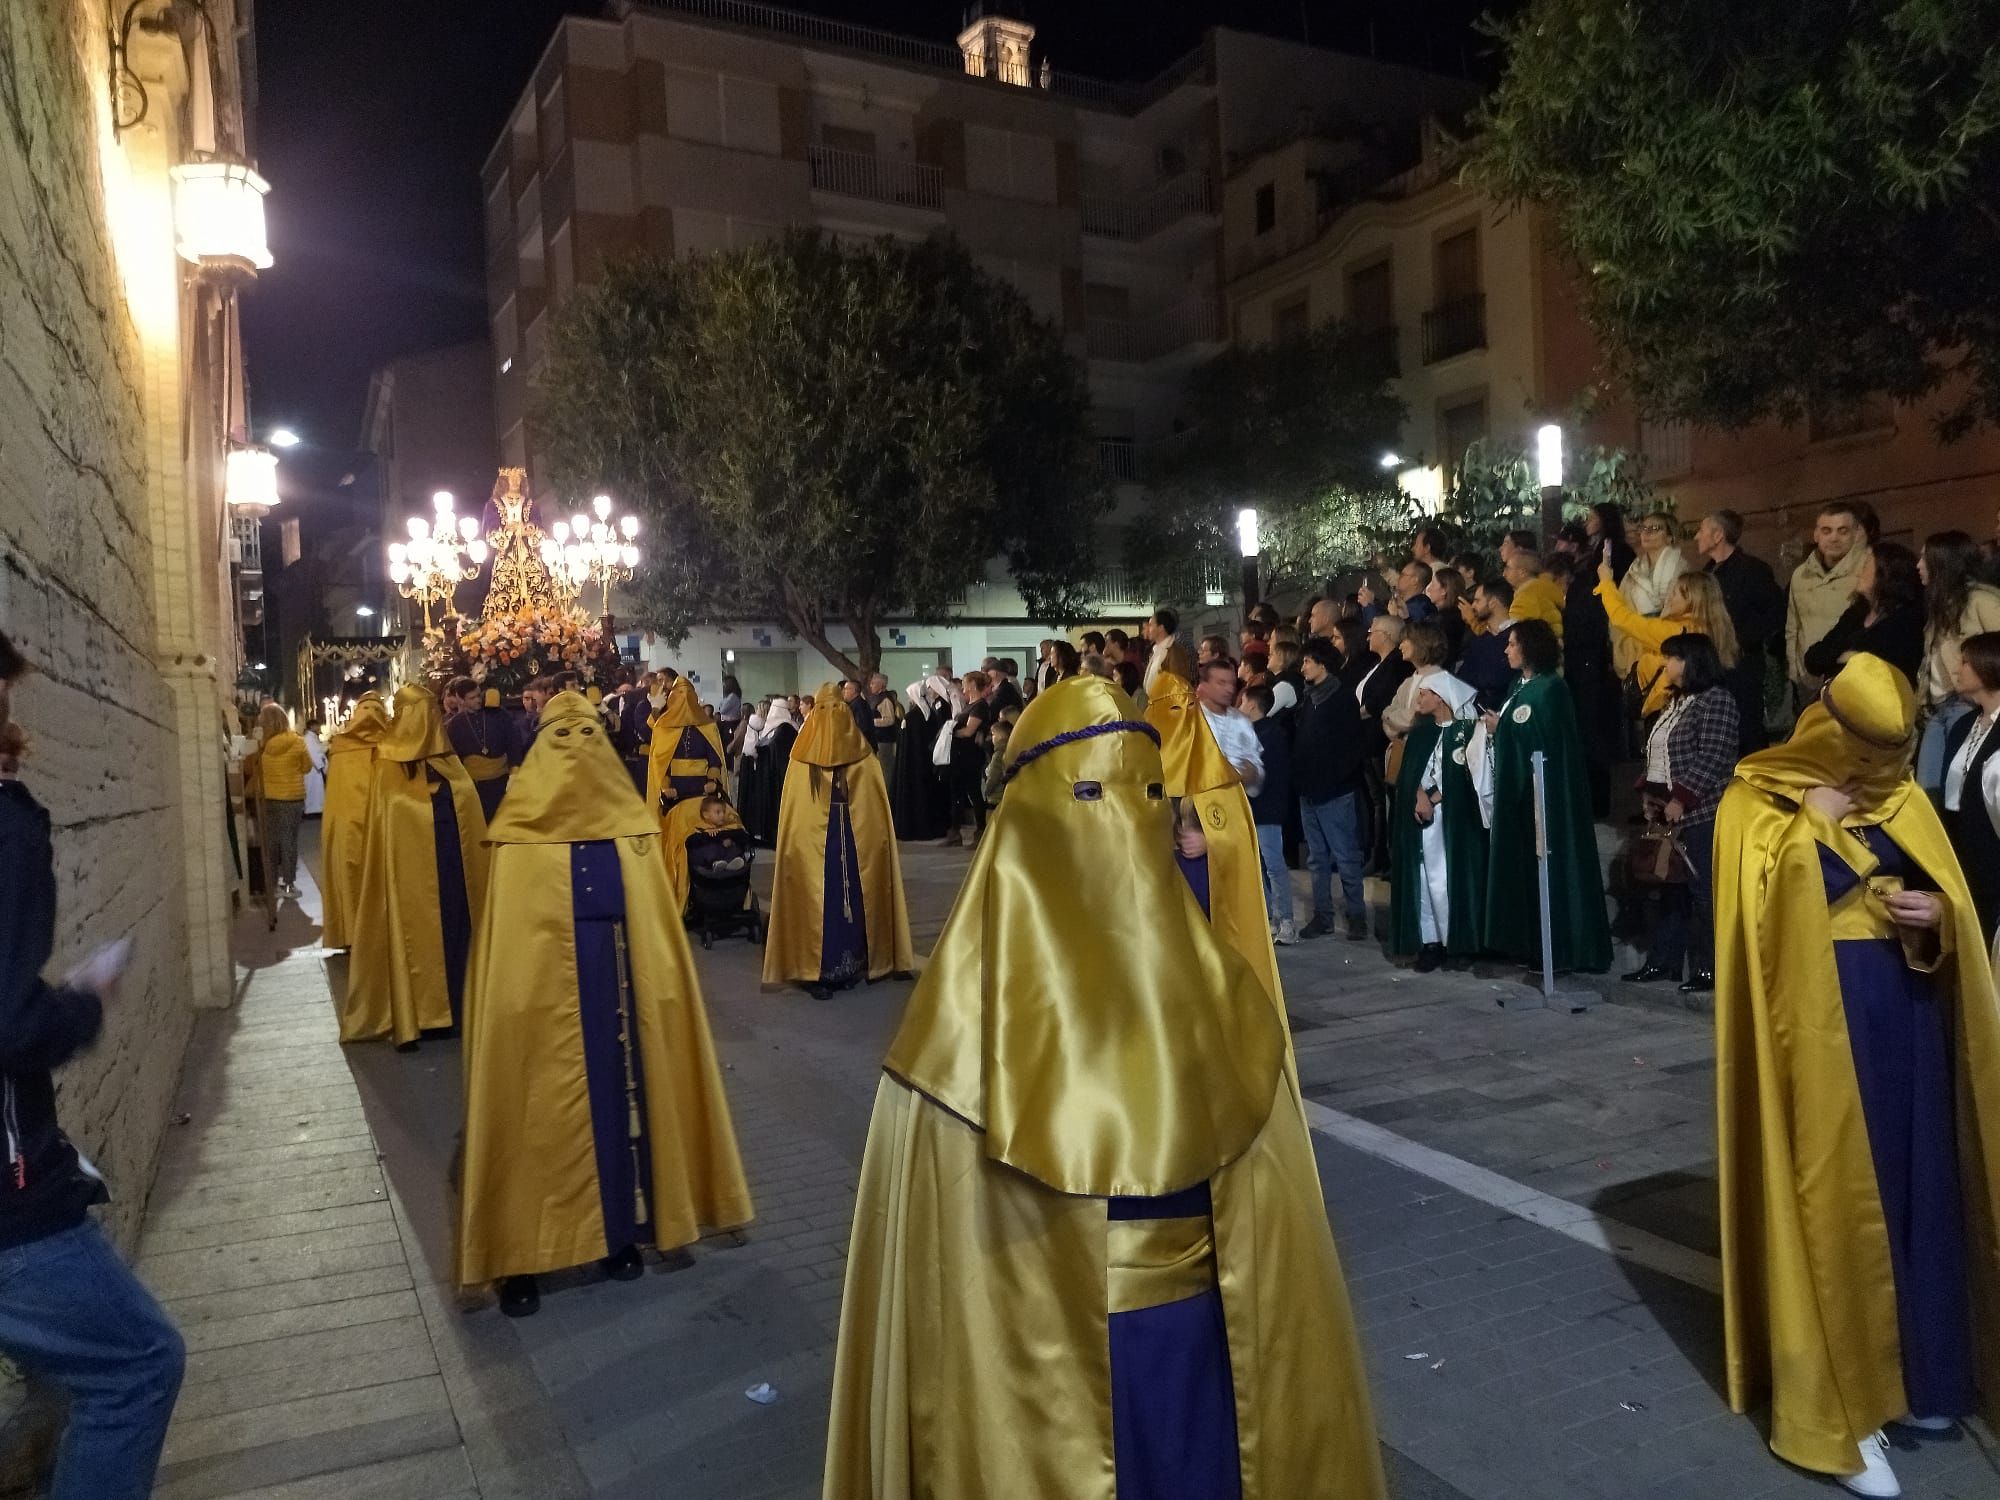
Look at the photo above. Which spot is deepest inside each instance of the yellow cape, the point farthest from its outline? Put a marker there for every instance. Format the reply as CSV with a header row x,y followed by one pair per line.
x,y
681,711
831,740
350,757
1196,769
1809,1306
682,822
1038,1072
396,980
530,1197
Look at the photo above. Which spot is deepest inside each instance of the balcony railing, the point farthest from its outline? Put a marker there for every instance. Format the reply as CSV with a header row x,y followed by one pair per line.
x,y
857,174
1118,458
1136,340
1143,217
1455,327
1668,448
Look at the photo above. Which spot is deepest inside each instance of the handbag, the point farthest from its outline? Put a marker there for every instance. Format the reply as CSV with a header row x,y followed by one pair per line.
x,y
1654,857
1393,766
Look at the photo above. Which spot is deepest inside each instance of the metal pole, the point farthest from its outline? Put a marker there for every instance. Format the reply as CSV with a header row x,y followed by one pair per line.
x,y
1539,760
1552,513
1250,587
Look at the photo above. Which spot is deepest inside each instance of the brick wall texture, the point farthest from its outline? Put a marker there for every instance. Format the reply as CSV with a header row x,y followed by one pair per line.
x,y
78,585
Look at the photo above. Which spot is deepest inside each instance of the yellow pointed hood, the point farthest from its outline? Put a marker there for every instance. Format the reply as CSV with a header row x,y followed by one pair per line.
x,y
1860,734
831,737
366,725
417,731
1193,761
1095,1068
572,787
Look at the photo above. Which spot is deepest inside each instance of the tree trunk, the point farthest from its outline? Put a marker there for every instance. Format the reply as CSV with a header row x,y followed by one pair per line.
x,y
867,643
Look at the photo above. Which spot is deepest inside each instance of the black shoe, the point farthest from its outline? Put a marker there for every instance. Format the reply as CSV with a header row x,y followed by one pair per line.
x,y
819,991
1700,982
1318,927
520,1297
627,1265
1357,932
1649,974
1430,957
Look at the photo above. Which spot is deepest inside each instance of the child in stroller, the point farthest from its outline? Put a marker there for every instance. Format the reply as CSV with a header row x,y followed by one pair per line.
x,y
719,856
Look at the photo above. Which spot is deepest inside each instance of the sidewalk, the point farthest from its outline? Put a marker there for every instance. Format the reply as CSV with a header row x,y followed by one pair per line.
x,y
1476,1162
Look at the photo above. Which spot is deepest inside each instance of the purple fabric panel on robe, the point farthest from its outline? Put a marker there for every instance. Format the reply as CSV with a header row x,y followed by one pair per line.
x,y
1196,871
597,902
694,745
454,911
1901,1038
1173,1401
843,950
490,793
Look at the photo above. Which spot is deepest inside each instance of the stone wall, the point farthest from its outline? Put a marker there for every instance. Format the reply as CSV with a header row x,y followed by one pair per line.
x,y
78,581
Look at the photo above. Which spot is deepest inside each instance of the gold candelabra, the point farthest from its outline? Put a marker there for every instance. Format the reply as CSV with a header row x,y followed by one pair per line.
x,y
583,551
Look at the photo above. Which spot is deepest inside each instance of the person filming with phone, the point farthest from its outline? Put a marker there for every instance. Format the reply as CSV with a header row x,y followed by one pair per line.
x,y
71,1312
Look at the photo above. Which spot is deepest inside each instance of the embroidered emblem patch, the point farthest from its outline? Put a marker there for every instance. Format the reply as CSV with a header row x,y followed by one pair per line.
x,y
1522,713
1458,755
1216,817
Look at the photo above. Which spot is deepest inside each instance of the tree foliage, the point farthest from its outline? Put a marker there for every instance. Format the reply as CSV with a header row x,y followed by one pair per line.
x,y
1295,428
1775,205
819,433
1494,490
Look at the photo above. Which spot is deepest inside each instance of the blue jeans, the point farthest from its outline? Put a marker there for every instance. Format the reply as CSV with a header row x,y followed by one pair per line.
x,y
1277,879
1333,839
74,1315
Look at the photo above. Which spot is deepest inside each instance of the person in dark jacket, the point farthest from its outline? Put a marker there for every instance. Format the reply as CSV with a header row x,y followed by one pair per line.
x,y
1269,806
1756,606
859,706
1328,752
1886,618
70,1311
1375,692
1586,647
1483,662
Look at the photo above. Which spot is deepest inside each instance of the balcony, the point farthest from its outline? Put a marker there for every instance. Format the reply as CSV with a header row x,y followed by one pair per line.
x,y
1118,458
856,174
1134,219
1196,322
1455,327
1668,448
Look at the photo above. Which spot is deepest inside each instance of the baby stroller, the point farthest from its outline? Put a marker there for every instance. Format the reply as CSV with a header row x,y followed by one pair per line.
x,y
720,901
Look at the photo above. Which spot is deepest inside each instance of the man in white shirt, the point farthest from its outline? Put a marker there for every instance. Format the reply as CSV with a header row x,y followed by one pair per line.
x,y
1235,736
1160,632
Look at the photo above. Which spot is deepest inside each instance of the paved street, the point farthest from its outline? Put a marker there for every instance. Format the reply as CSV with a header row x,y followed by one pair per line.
x,y
1522,1198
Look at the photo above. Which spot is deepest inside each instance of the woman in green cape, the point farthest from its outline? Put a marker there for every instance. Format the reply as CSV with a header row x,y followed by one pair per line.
x,y
1437,837
1539,715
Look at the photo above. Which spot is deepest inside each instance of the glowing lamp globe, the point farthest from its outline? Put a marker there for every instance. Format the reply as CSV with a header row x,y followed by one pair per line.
x,y
630,527
250,482
602,505
219,216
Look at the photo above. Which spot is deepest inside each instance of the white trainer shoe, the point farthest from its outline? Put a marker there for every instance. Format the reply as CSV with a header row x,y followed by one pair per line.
x,y
1876,1479
1286,935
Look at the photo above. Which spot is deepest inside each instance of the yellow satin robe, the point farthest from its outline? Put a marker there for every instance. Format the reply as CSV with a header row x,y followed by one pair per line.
x,y
343,824
1809,1304
530,1193
682,822
1196,768
831,740
396,980
682,710
1038,1072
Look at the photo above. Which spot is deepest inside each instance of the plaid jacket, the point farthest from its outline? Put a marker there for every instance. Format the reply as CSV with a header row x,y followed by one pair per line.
x,y
1702,751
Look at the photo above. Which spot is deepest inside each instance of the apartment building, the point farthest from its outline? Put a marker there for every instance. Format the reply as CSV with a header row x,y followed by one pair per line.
x,y
1476,312
691,125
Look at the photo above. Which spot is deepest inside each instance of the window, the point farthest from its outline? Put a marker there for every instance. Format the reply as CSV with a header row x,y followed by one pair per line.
x,y
1292,318
1460,426
1104,301
1267,208
288,541
840,138
1458,266
1371,297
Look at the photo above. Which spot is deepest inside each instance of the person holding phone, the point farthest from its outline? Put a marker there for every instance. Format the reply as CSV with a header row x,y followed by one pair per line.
x,y
70,1310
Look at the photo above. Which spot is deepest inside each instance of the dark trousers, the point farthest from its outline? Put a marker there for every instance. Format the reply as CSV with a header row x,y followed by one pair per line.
x,y
1686,929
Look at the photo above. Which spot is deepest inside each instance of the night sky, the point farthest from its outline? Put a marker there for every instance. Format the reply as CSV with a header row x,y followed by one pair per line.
x,y
373,117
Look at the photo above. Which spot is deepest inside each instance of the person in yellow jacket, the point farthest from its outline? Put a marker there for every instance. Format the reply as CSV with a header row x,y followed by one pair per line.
x,y
1089,1251
282,767
1858,1093
1694,605
837,910
595,1121
423,875
1537,596
343,826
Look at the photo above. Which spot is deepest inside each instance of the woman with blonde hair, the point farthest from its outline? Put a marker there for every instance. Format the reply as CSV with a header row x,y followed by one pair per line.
x,y
1694,604
283,763
1659,565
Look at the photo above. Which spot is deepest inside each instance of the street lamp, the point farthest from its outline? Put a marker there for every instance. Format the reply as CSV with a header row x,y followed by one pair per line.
x,y
219,216
1391,460
443,551
1248,544
1549,475
250,481
284,437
